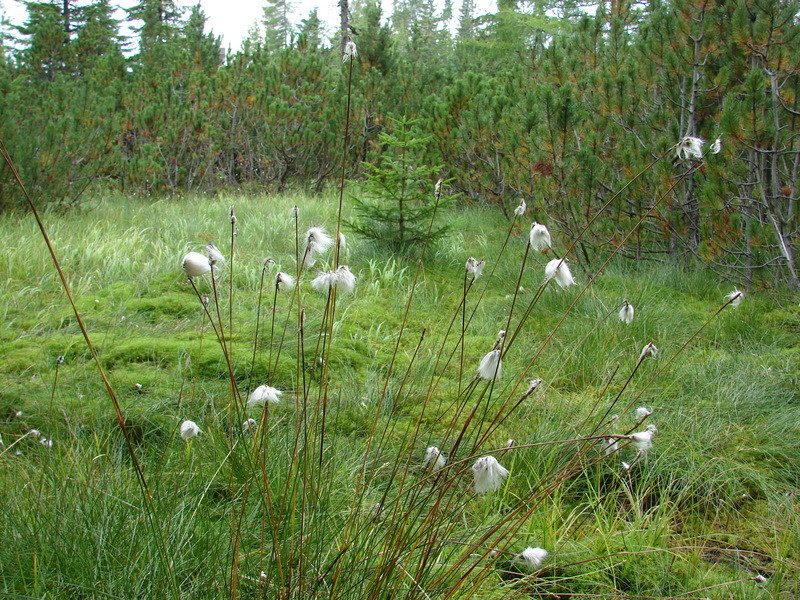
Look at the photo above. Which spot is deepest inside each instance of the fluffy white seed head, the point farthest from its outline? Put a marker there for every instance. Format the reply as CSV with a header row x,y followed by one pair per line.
x,y
434,459
735,298
489,474
649,351
642,413
540,237
342,241
716,146
559,270
533,558
350,51
626,313
610,445
690,148
214,255
249,425
520,210
318,241
284,281
474,267
195,264
189,429
344,280
264,394
491,367
643,440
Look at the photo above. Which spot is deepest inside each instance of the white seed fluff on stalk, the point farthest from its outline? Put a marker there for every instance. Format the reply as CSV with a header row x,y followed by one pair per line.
x,y
716,146
489,474
189,429
520,210
735,297
540,237
491,367
690,147
195,264
533,558
284,281
434,459
264,394
345,280
643,440
342,241
249,425
626,313
318,242
649,351
642,413
557,269
323,282
214,255
474,267
350,51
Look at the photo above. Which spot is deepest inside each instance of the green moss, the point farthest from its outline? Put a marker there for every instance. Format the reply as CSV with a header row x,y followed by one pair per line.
x,y
171,305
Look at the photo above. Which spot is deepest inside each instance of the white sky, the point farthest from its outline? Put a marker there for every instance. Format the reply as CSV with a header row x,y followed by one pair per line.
x,y
232,19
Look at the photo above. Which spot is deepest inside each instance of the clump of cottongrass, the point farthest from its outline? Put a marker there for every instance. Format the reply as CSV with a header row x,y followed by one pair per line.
x,y
735,298
540,237
474,267
559,270
195,264
284,281
263,395
533,558
189,430
649,351
488,474
434,459
626,313
690,148
520,210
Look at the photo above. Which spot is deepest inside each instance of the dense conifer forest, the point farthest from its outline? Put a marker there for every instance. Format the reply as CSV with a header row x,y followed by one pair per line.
x,y
538,101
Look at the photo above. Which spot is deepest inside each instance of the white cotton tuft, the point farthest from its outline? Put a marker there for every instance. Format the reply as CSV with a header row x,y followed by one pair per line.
x,y
690,148
520,210
642,413
350,51
214,255
249,425
489,474
195,264
626,313
345,281
649,351
540,237
318,242
716,146
557,269
434,459
342,241
533,558
474,267
284,281
643,440
491,367
735,298
263,395
323,282
189,429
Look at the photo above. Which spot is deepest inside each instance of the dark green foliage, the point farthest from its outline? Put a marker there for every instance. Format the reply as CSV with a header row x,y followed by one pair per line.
x,y
397,203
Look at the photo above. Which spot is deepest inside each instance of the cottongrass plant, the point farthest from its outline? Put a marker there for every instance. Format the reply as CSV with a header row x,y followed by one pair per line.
x,y
301,505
